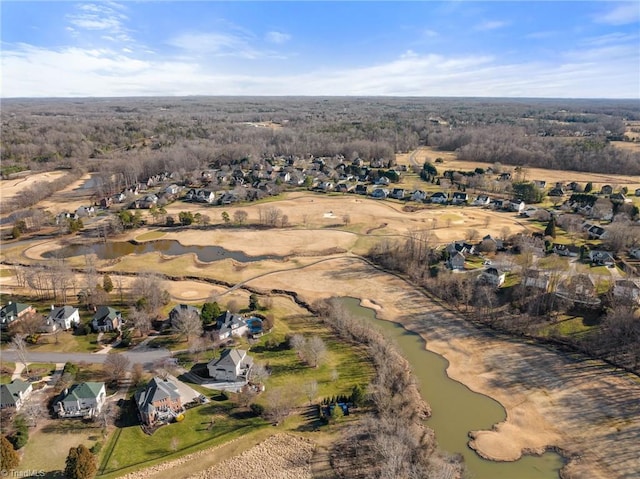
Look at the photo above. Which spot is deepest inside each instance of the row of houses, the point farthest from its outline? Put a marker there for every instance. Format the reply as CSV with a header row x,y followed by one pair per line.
x,y
63,318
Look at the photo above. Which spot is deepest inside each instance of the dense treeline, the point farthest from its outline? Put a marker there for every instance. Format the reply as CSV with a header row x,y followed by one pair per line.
x,y
393,443
150,135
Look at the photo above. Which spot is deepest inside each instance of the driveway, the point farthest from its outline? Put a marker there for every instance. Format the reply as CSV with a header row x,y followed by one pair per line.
x,y
146,357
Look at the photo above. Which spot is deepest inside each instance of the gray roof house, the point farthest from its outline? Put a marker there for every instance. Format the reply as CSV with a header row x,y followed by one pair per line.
x,y
63,317
232,365
13,312
12,395
158,402
493,276
456,260
229,324
81,400
106,319
628,289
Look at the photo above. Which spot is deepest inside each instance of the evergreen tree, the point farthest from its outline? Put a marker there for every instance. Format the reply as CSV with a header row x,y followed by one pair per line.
x,y
80,464
357,395
107,284
588,188
9,458
550,230
210,311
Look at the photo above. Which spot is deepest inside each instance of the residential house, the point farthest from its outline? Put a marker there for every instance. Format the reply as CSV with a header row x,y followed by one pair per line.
x,y
418,195
63,317
326,186
460,247
628,290
12,312
81,400
500,204
459,198
84,211
380,193
637,191
106,202
481,200
601,258
13,394
439,197
533,278
181,311
619,198
159,401
383,181
635,253
147,202
343,188
65,217
516,205
172,189
229,324
493,276
361,189
569,250
606,190
496,242
596,232
556,192
504,176
397,193
578,288
106,319
456,261
233,365
541,184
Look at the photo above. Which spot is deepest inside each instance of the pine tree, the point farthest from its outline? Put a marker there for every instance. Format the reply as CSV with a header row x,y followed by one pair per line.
x,y
9,458
550,230
80,464
107,284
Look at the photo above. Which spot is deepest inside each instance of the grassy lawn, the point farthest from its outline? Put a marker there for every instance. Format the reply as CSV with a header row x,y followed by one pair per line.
x,y
151,235
130,448
6,371
67,342
569,326
39,369
48,448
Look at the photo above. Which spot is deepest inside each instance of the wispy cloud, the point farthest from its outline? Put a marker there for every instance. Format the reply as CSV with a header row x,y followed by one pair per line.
x,y
236,45
623,14
278,37
111,72
103,17
490,25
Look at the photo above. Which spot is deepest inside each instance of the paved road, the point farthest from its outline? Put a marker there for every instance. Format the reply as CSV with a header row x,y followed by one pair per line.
x,y
145,357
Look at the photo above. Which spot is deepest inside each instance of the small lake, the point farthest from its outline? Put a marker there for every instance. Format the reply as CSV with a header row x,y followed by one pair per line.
x,y
456,409
118,249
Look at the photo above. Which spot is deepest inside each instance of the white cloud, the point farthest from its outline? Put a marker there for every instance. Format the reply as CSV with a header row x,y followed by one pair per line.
x,y
101,17
597,72
624,14
490,25
220,44
430,33
278,37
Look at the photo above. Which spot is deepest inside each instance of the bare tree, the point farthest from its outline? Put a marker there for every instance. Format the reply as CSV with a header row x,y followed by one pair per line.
x,y
310,389
258,373
141,321
20,346
279,404
115,366
315,351
240,217
147,290
188,324
246,395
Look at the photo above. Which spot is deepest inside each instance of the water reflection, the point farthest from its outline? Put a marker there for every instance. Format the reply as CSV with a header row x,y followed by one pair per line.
x,y
118,249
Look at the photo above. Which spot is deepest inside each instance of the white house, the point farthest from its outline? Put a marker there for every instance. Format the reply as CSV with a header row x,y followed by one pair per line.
x,y
439,197
229,324
81,400
481,200
232,365
63,317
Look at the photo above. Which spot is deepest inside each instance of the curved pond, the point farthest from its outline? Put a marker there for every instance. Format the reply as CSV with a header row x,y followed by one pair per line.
x,y
118,249
456,409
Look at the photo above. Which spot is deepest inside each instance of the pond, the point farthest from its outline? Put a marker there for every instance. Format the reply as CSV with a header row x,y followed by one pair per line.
x,y
118,249
456,409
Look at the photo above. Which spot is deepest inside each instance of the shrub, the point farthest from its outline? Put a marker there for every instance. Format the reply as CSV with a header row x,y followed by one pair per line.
x,y
257,409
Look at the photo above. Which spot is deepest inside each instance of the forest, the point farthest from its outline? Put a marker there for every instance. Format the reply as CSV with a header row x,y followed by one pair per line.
x,y
142,137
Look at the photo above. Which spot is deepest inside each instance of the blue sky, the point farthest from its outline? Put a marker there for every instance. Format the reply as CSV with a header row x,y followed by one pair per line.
x,y
569,49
